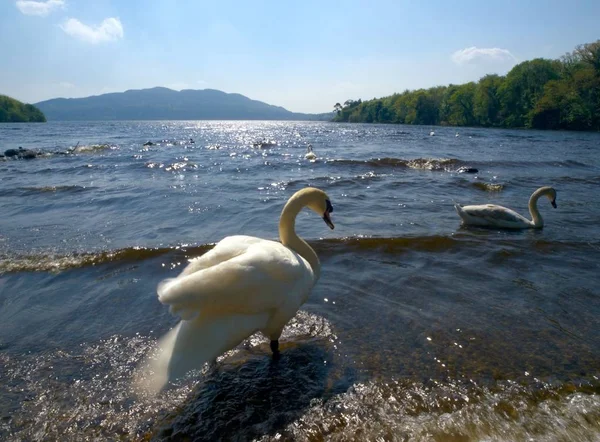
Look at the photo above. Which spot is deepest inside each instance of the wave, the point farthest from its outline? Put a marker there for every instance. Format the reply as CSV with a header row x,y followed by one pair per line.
x,y
33,190
564,163
55,263
331,180
453,410
578,180
488,187
65,382
417,163
180,166
454,164
92,148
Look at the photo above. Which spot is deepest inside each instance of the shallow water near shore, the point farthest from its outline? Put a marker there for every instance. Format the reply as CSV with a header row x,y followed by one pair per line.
x,y
419,329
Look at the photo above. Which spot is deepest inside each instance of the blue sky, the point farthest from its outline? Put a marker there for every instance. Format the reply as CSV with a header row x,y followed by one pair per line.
x,y
304,56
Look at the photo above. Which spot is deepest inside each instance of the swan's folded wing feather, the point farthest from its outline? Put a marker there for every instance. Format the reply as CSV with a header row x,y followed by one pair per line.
x,y
493,213
251,282
224,250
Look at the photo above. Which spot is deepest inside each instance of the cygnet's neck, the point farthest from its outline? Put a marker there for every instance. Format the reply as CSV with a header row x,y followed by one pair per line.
x,y
287,231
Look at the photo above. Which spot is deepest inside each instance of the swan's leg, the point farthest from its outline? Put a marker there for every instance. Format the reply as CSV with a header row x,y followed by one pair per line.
x,y
275,348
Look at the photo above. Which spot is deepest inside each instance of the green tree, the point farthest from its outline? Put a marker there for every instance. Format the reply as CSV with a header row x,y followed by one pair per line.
x,y
521,89
13,111
545,94
459,105
486,102
589,53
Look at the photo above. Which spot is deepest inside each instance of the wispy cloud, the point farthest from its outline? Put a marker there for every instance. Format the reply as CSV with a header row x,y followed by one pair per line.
x,y
110,29
475,54
66,85
30,7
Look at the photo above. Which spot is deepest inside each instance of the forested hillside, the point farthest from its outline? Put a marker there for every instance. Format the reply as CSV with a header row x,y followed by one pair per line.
x,y
13,111
540,93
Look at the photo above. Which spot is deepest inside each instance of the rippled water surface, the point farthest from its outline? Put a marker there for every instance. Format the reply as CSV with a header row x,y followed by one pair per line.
x,y
419,329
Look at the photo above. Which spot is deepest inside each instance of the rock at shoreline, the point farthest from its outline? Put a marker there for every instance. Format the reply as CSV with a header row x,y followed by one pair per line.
x,y
20,153
29,154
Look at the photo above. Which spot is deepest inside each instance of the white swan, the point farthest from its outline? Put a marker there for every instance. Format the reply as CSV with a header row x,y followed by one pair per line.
x,y
310,155
243,285
491,215
431,134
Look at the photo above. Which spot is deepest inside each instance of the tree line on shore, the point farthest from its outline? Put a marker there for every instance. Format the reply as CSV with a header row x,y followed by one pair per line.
x,y
539,94
13,111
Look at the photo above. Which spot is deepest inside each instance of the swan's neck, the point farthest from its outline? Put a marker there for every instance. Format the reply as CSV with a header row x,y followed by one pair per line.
x,y
288,237
537,219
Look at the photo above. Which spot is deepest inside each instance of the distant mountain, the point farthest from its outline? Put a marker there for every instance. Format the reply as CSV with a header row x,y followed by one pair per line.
x,y
13,111
160,103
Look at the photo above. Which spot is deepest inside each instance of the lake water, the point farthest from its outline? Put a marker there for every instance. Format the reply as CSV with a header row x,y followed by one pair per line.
x,y
419,329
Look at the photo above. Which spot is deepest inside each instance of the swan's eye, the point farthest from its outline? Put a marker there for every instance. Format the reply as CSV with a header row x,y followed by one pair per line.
x,y
329,206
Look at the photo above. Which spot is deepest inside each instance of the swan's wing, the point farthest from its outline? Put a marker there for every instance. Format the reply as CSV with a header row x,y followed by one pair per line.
x,y
224,250
493,214
263,277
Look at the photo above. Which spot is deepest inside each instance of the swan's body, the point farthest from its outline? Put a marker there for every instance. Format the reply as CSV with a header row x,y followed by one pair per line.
x,y
491,215
431,134
243,285
310,155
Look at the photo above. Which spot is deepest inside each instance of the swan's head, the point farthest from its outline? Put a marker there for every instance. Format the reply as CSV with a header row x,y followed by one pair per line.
x,y
313,198
328,210
320,203
551,194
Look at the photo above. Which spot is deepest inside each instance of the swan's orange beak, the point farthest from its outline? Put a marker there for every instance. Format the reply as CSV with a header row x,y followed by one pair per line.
x,y
326,216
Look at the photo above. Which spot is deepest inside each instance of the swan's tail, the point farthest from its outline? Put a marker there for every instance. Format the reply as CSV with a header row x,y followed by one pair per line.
x,y
191,344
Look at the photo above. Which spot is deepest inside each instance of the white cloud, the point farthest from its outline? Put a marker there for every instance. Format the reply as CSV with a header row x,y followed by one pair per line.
x,y
29,7
66,85
475,54
110,29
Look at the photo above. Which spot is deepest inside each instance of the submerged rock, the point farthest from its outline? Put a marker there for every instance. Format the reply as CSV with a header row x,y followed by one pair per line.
x,y
148,143
20,153
12,152
30,154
